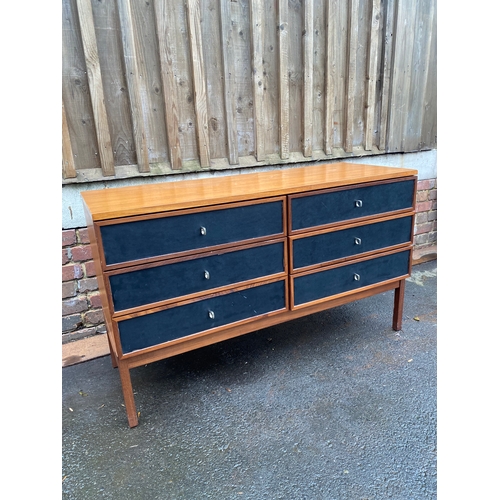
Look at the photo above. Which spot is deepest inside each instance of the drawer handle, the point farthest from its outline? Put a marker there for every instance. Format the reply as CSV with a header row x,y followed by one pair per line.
x,y
207,275
211,314
203,230
358,203
357,241
356,277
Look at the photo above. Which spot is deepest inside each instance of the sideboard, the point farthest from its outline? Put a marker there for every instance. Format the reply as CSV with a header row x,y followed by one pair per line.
x,y
188,263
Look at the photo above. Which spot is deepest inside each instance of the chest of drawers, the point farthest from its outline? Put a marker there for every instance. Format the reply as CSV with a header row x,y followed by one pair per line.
x,y
185,264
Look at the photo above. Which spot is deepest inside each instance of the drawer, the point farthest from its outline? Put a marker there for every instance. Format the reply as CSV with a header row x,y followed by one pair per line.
x,y
333,206
331,245
326,283
169,324
179,233
160,282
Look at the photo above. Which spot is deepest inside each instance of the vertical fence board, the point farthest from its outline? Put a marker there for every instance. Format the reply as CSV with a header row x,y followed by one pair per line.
x,y
114,82
95,83
200,92
351,74
284,99
229,64
412,139
386,72
319,73
75,91
329,78
167,57
257,74
136,83
308,49
68,165
372,74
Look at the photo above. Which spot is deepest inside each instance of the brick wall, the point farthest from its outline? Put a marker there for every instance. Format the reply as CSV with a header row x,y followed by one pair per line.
x,y
81,304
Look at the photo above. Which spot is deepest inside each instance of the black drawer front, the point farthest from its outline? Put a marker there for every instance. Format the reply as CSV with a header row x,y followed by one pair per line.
x,y
152,329
131,241
154,284
331,282
336,206
353,241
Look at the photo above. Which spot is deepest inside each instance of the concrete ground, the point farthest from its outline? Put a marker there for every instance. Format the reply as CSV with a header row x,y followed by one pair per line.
x,y
331,406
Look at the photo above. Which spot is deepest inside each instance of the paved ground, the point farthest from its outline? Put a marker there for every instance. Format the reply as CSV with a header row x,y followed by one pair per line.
x,y
332,406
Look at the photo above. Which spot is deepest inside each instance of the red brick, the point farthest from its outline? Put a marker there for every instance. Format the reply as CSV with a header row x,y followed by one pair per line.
x,y
68,237
88,285
422,196
95,300
81,253
65,256
71,272
90,269
68,289
94,317
424,206
70,323
72,306
424,228
83,236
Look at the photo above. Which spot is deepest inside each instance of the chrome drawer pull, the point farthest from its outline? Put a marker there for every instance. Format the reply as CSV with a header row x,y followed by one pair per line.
x,y
211,314
358,203
207,275
203,230
356,277
357,241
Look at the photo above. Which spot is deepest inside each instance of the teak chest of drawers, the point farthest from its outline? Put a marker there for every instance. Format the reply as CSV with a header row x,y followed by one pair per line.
x,y
185,264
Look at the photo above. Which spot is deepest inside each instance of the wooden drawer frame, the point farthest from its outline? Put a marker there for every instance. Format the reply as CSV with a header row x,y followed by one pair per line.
x,y
126,204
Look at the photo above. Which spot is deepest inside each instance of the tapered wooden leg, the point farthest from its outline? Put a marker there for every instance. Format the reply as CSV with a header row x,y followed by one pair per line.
x,y
128,395
397,317
114,362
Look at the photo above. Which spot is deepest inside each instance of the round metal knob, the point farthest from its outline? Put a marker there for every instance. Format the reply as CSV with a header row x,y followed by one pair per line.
x,y
211,314
203,230
357,241
356,277
358,203
207,275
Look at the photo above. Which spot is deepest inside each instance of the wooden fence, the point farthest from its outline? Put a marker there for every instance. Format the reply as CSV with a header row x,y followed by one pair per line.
x,y
152,87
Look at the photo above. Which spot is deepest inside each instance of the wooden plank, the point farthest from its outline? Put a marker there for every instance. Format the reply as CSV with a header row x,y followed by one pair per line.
x,y
308,49
284,95
413,140
68,164
372,74
329,79
135,82
200,92
401,76
167,56
389,24
351,78
228,63
95,84
257,76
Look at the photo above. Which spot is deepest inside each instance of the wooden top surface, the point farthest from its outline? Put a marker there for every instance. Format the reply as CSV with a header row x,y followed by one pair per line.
x,y
167,196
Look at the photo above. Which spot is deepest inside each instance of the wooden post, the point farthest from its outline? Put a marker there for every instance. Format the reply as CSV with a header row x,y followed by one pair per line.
x,y
397,317
128,394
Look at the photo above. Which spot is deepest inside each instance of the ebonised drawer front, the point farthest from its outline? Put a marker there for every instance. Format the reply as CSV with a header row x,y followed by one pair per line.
x,y
152,237
325,283
159,327
171,280
329,207
332,245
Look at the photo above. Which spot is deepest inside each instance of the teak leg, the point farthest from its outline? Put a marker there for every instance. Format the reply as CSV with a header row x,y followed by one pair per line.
x,y
128,395
399,295
114,362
